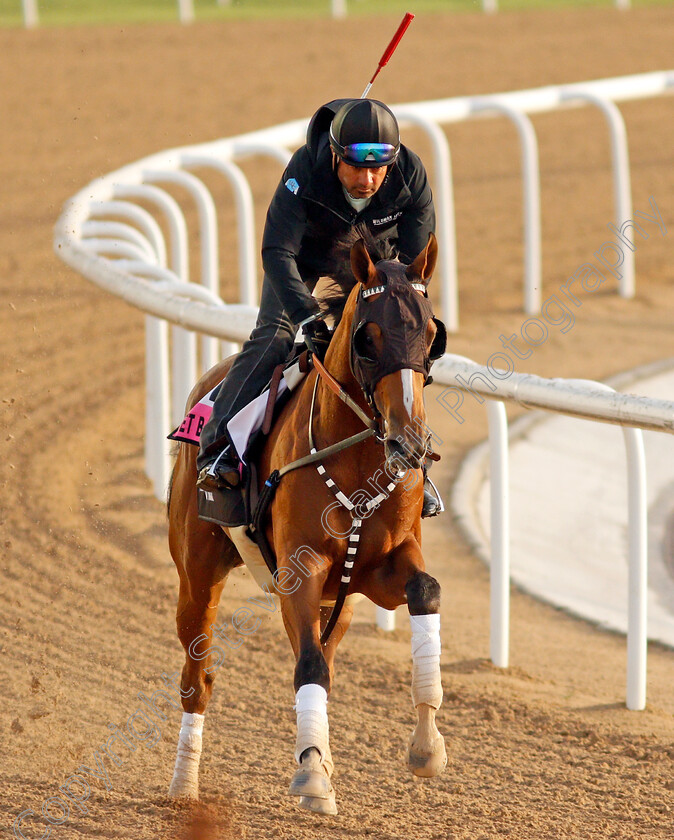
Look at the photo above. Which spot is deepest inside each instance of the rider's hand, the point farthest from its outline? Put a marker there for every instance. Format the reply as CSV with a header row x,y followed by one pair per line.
x,y
316,336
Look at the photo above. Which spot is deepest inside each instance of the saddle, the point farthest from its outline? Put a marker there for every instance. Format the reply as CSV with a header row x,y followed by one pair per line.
x,y
248,430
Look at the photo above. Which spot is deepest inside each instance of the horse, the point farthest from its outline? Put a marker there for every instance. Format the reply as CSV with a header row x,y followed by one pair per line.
x,y
373,374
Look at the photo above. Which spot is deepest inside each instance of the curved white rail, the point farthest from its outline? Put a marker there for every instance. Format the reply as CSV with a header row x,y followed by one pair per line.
x,y
90,237
276,141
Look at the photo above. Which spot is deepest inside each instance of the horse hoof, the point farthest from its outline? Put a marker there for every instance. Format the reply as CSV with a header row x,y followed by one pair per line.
x,y
327,807
311,778
428,763
311,783
184,789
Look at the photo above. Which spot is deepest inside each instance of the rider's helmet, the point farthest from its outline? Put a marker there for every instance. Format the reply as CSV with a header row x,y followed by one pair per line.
x,y
364,132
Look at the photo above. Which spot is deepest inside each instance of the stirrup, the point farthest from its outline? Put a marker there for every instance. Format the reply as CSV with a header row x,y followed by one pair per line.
x,y
228,480
433,504
222,474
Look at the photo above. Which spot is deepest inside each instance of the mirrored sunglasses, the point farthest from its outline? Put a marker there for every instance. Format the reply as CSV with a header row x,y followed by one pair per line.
x,y
378,154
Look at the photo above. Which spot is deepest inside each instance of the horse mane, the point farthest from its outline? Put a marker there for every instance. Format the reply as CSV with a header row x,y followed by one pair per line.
x,y
340,280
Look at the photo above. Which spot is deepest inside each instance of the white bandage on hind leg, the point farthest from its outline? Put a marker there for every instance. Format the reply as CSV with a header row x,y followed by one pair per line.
x,y
311,705
426,684
186,771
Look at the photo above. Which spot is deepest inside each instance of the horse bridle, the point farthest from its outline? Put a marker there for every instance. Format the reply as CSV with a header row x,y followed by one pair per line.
x,y
401,309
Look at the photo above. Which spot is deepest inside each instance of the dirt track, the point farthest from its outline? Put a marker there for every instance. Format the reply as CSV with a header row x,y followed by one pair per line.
x,y
543,750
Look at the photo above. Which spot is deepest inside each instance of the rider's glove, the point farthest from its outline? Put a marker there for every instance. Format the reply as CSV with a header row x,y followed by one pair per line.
x,y
316,335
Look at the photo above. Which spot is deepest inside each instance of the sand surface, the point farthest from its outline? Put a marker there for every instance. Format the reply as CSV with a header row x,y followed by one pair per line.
x,y
544,749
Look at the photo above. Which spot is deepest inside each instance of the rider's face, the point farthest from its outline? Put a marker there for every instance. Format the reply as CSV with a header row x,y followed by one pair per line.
x,y
361,181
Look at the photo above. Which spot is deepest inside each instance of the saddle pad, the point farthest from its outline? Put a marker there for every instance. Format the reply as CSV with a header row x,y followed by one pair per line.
x,y
242,426
189,431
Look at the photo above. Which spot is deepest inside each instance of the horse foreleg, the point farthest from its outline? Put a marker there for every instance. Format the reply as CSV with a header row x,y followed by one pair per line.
x,y
311,781
427,754
311,803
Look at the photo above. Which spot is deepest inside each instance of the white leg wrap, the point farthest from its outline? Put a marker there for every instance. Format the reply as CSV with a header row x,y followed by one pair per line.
x,y
185,780
311,705
426,684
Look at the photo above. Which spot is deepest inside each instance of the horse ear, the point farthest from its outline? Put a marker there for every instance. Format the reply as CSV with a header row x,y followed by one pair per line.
x,y
424,265
361,264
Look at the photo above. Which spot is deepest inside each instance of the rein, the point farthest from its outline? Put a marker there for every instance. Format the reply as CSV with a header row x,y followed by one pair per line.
x,y
336,388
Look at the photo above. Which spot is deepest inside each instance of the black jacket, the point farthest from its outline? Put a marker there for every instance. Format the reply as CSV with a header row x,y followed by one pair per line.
x,y
309,213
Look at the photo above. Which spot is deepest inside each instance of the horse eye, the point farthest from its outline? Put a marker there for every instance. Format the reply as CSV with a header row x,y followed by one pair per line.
x,y
364,345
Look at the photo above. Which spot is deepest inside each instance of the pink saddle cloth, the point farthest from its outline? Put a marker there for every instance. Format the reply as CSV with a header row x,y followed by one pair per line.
x,y
244,423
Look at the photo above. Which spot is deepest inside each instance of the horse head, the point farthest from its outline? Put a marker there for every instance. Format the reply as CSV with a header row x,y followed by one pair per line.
x,y
394,340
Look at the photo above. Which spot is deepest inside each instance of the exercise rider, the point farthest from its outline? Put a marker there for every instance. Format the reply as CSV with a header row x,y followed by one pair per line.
x,y
353,170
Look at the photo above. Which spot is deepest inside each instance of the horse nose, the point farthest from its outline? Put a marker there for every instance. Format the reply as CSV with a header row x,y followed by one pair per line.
x,y
394,448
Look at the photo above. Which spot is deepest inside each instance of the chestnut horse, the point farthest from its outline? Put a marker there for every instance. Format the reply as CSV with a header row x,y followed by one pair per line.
x,y
380,354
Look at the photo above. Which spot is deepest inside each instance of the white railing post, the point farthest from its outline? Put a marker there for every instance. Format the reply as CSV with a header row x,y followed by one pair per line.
x,y
140,218
208,229
637,638
176,221
499,534
186,11
208,226
157,455
622,190
184,370
119,230
157,448
531,199
246,222
338,8
637,558
30,13
183,342
446,225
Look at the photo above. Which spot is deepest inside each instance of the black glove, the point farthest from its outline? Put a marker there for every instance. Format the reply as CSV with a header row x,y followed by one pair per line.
x,y
316,336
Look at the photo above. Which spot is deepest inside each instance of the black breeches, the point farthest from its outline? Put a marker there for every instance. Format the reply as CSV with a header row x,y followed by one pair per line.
x,y
269,345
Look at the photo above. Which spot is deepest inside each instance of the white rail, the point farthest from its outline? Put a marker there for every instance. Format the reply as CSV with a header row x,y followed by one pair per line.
x,y
491,6
31,17
106,237
338,9
579,398
428,116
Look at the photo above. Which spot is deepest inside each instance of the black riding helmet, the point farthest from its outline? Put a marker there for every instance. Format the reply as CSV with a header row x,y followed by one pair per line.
x,y
364,132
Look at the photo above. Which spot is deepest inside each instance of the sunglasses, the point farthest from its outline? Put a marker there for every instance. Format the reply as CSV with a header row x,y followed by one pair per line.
x,y
379,154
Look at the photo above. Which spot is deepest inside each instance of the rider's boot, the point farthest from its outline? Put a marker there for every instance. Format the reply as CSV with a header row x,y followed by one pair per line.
x,y
433,504
222,472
